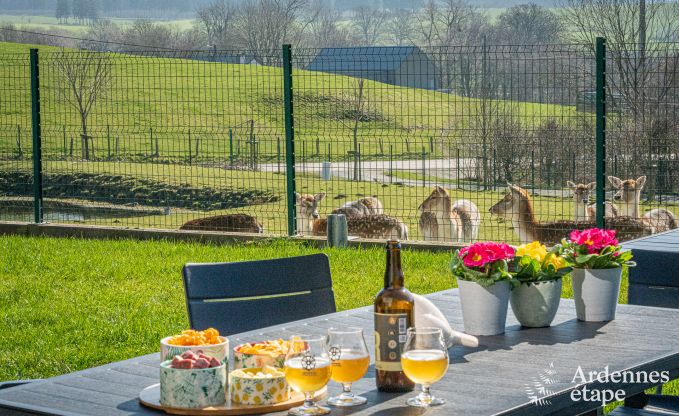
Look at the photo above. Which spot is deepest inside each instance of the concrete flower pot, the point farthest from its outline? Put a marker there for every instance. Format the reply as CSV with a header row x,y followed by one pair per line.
x,y
595,292
484,309
535,303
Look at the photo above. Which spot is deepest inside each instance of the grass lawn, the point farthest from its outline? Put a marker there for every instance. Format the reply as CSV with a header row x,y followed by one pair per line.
x,y
70,304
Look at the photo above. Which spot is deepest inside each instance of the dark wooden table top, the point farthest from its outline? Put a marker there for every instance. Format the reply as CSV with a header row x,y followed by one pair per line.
x,y
664,242
492,379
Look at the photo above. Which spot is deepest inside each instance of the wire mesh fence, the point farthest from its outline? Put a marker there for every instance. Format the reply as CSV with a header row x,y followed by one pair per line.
x,y
403,141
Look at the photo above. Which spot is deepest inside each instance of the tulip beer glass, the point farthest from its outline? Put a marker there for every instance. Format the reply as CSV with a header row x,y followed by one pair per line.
x,y
307,370
424,361
350,361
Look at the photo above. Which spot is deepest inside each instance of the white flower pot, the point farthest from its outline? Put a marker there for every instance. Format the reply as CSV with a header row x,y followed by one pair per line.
x,y
595,292
535,303
484,309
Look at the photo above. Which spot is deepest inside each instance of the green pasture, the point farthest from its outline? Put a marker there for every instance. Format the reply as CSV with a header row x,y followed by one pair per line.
x,y
172,104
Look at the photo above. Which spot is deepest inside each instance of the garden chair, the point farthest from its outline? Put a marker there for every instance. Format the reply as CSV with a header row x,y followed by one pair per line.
x,y
654,282
244,296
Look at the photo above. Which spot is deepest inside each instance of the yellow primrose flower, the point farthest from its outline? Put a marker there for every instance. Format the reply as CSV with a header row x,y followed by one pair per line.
x,y
558,262
534,250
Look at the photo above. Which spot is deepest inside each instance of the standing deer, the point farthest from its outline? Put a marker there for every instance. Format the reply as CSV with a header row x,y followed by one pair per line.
x,y
584,211
443,220
363,207
378,226
239,223
629,194
517,207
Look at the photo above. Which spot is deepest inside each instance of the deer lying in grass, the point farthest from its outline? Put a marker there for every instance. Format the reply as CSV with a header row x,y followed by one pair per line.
x,y
378,226
238,223
517,207
362,208
629,194
443,220
584,211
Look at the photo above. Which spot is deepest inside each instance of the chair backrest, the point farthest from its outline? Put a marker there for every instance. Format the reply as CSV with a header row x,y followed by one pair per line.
x,y
655,280
243,296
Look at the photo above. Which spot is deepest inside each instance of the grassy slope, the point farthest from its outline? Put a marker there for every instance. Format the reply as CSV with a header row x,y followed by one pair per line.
x,y
173,96
88,310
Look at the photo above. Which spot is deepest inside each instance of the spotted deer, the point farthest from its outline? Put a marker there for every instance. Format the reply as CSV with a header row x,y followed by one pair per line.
x,y
240,223
362,208
377,226
441,219
517,207
584,211
629,194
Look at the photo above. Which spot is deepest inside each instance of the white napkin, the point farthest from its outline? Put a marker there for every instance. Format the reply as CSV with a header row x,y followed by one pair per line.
x,y
427,314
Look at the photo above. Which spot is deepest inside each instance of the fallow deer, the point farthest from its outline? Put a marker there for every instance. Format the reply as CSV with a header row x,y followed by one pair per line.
x,y
517,207
239,223
443,220
584,211
629,194
378,226
363,207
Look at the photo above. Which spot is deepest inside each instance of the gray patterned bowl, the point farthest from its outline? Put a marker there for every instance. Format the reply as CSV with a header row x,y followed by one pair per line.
x,y
194,388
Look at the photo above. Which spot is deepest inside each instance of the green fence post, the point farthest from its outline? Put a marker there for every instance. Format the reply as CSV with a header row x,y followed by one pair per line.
x,y
37,138
230,147
600,130
289,139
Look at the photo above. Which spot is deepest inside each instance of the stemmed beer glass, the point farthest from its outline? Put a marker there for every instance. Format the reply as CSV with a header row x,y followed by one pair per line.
x,y
350,361
425,361
307,370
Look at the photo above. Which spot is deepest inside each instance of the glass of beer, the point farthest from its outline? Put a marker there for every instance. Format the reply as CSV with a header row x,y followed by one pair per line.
x,y
425,361
307,370
350,361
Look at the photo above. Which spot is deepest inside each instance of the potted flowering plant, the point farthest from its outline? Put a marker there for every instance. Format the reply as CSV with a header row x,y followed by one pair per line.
x,y
483,278
597,261
539,271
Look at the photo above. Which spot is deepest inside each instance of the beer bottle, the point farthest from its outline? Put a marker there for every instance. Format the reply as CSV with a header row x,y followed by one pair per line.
x,y
394,308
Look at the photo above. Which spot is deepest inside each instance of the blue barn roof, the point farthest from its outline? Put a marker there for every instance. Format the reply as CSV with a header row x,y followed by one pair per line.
x,y
361,59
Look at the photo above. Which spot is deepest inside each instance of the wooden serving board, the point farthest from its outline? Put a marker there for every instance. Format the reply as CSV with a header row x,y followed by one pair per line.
x,y
150,397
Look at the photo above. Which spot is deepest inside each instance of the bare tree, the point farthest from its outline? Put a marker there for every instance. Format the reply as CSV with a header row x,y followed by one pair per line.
x,y
217,19
85,77
445,23
370,23
399,28
635,31
528,24
323,29
263,25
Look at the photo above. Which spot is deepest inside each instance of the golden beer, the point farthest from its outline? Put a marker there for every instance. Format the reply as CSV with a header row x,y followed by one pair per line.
x,y
424,366
304,379
350,367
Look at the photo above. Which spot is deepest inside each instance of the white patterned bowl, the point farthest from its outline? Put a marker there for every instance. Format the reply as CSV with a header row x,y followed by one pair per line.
x,y
242,360
194,388
258,391
219,351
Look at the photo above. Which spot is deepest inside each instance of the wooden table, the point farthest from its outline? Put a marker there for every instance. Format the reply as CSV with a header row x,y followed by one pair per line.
x,y
489,380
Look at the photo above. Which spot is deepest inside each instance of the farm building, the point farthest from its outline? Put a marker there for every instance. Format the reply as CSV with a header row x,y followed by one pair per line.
x,y
405,66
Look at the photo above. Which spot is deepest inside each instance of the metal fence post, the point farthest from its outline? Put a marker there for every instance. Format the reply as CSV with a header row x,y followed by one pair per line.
x,y
289,139
600,130
37,137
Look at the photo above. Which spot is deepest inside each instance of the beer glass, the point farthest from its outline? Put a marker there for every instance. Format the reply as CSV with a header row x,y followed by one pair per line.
x,y
425,361
350,361
307,370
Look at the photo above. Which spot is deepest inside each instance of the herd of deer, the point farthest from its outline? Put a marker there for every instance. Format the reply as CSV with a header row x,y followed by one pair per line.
x,y
442,219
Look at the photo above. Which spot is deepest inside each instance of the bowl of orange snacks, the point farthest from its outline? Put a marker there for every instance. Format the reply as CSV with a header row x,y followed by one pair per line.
x,y
209,342
260,354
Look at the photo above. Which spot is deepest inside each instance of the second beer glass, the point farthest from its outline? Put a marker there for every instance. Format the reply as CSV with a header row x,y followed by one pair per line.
x,y
350,361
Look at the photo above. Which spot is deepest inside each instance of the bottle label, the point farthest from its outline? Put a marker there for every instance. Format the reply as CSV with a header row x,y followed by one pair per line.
x,y
390,336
